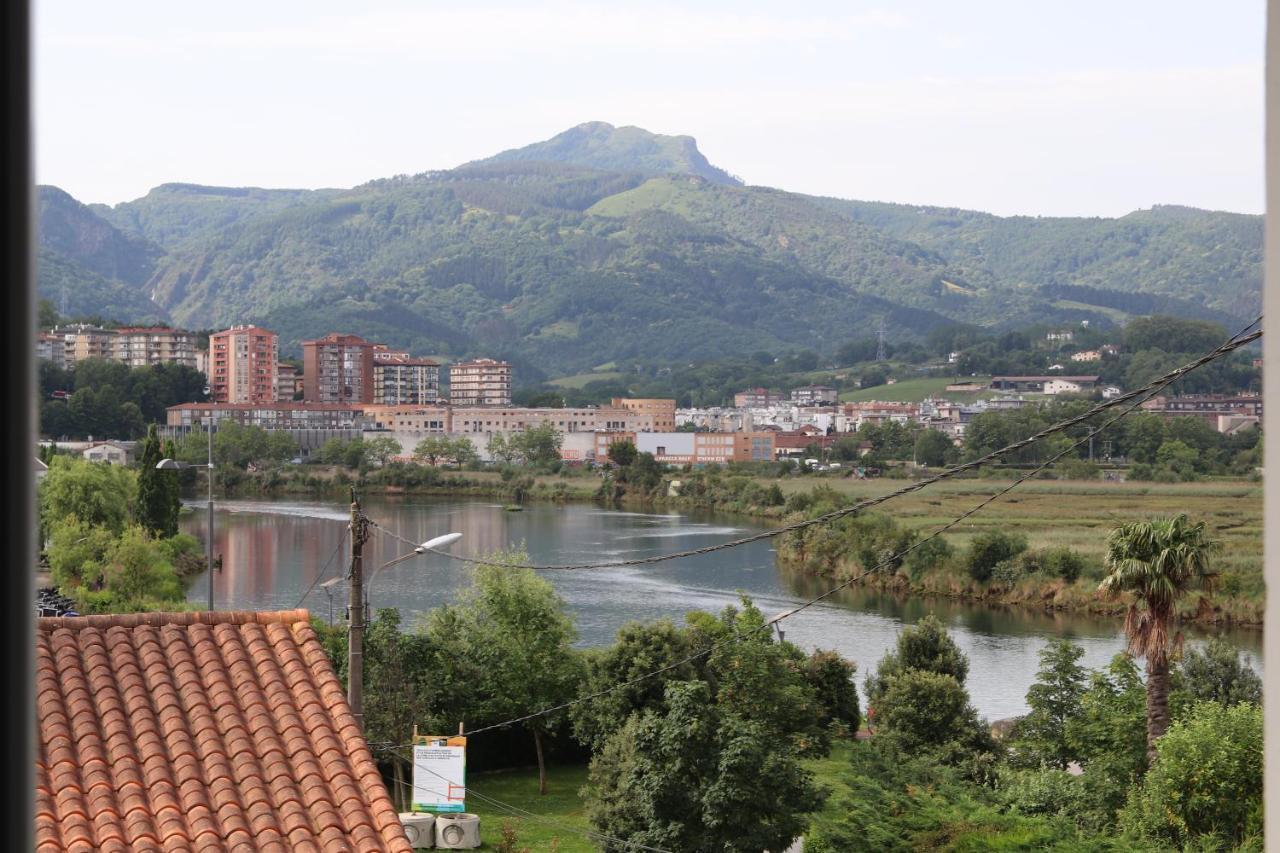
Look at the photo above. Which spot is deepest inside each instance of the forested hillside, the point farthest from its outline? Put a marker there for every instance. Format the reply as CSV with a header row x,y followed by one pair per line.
x,y
612,246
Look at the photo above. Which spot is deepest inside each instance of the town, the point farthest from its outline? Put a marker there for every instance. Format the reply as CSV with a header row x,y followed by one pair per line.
x,y
348,387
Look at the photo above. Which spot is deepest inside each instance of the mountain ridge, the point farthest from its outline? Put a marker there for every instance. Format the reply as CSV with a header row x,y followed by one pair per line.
x,y
562,266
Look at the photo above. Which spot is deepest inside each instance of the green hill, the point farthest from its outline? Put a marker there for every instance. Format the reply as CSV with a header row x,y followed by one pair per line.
x,y
614,245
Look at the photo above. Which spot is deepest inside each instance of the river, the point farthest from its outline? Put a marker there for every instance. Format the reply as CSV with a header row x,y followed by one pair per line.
x,y
273,550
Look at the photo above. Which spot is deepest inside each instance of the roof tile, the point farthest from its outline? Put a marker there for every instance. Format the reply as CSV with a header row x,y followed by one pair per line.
x,y
195,731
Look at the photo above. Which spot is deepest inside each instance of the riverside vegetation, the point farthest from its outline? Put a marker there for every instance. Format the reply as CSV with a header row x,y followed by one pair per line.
x,y
675,760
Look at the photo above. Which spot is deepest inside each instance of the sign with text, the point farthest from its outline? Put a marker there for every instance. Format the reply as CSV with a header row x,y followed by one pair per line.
x,y
439,774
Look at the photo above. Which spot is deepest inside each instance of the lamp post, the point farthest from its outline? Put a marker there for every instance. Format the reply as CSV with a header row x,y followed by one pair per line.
x,y
176,465
328,586
358,602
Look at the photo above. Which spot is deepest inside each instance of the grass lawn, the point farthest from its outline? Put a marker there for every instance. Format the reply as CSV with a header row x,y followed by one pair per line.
x,y
561,811
915,390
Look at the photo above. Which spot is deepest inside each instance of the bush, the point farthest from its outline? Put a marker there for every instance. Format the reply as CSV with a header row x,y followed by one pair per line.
x,y
1077,469
990,548
1062,563
928,556
1206,781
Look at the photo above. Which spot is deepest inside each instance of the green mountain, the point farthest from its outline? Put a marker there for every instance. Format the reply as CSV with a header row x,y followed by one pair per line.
x,y
607,245
87,266
620,149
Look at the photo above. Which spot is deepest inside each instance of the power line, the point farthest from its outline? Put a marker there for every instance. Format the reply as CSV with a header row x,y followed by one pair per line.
x,y
1147,391
1231,345
516,811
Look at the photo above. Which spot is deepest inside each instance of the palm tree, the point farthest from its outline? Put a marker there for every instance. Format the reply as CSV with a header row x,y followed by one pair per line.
x,y
1156,562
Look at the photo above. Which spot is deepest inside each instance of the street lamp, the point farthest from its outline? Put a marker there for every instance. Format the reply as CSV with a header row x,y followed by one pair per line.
x,y
430,545
328,586
175,465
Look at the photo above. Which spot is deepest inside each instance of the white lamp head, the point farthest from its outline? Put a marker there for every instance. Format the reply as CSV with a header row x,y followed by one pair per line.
x,y
439,542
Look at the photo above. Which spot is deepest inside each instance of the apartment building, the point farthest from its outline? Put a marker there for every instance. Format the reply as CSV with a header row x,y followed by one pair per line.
x,y
142,346
811,394
83,341
286,416
288,382
337,369
405,381
757,398
51,348
244,365
1042,384
410,420
658,412
481,382
702,448
1244,404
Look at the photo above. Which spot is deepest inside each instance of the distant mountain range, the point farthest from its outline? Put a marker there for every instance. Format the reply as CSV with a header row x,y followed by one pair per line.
x,y
606,246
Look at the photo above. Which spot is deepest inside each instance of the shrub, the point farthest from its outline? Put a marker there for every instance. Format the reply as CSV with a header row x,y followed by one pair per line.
x,y
1062,563
1077,469
1206,780
990,548
929,555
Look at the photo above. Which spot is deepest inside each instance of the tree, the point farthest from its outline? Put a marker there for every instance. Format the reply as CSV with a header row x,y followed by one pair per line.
x,y
513,626
76,553
158,500
1040,738
1218,674
1108,733
537,446
135,570
639,649
1206,780
991,548
622,452
381,449
922,710
1179,459
831,678
690,778
1153,564
98,494
933,448
438,448
925,646
500,449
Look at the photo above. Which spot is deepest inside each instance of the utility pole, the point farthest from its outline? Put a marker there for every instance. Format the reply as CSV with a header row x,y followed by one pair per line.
x,y
881,353
355,614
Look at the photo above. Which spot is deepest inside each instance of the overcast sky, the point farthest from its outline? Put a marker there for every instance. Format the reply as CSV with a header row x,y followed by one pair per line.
x,y
1055,108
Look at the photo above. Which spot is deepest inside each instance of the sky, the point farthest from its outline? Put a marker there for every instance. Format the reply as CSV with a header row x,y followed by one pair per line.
x,y
1078,108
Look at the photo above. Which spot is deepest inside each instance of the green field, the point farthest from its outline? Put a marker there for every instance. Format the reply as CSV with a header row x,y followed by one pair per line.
x,y
580,379
1077,514
915,390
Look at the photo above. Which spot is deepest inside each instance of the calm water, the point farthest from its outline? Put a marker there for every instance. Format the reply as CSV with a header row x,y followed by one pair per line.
x,y
273,550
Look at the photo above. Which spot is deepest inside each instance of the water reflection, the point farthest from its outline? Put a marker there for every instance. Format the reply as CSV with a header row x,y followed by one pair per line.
x,y
274,551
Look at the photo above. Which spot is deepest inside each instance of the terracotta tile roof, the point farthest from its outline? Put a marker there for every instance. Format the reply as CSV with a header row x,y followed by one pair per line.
x,y
193,731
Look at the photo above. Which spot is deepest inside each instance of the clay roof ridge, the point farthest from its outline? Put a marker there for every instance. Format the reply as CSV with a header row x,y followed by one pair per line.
x,y
184,618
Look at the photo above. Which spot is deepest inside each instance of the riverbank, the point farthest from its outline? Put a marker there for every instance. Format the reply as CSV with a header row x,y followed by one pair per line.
x,y
1051,514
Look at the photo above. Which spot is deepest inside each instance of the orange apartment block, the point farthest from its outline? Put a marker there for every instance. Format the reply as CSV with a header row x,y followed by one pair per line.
x,y
661,412
244,365
337,369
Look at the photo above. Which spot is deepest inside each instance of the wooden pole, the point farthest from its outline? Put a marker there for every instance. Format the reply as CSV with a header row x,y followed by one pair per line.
x,y
355,615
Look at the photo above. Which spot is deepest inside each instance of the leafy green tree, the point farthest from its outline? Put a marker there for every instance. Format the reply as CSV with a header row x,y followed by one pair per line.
x,y
1179,459
831,678
638,650
513,628
925,646
537,446
382,449
622,452
690,778
1108,735
934,449
1143,434
1218,674
922,710
1153,564
438,448
501,449
1205,781
158,500
76,553
1040,737
990,548
98,494
135,570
